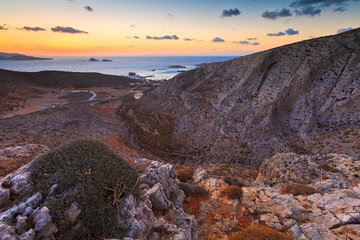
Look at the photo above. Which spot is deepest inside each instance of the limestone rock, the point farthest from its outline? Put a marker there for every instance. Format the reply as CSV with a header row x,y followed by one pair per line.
x,y
4,196
43,224
200,175
73,212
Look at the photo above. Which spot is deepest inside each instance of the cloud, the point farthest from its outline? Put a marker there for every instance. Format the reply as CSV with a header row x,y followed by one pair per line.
x,y
277,14
136,37
35,29
291,32
67,30
133,26
169,16
251,39
340,9
308,11
247,43
217,39
341,30
320,3
88,8
166,37
315,7
189,39
3,28
230,12
276,34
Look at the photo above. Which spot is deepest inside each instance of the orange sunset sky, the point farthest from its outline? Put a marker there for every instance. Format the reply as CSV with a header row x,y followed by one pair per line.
x,y
167,27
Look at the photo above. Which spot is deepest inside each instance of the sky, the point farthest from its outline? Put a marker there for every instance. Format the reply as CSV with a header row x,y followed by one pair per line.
x,y
167,27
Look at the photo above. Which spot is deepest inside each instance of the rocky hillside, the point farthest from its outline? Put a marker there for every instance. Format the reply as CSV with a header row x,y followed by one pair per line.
x,y
302,98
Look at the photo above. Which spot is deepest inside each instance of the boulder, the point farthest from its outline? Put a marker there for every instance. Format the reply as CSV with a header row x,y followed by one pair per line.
x,y
200,175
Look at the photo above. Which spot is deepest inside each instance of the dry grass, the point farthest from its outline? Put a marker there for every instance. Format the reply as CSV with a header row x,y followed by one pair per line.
x,y
232,181
299,189
233,192
257,232
185,174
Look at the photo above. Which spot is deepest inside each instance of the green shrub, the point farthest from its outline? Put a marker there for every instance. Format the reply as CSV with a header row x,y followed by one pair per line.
x,y
233,192
299,189
89,173
185,174
257,232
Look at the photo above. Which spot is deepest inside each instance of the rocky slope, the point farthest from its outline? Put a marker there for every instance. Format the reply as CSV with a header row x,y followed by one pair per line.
x,y
322,205
303,98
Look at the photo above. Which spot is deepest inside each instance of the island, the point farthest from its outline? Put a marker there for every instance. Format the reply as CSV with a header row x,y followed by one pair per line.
x,y
19,57
93,60
106,60
177,66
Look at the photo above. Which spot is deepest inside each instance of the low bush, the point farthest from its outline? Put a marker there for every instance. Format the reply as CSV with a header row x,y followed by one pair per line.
x,y
299,189
90,174
257,232
326,167
185,174
192,190
232,181
233,192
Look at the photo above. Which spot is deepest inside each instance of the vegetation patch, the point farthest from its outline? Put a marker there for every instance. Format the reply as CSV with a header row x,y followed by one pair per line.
x,y
232,181
233,192
192,190
299,189
257,232
90,174
185,174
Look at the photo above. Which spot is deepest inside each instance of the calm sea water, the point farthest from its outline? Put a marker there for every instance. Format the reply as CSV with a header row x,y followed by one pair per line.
x,y
153,67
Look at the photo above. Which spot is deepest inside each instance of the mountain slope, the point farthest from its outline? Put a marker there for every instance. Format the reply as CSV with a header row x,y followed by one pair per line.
x,y
303,97
19,57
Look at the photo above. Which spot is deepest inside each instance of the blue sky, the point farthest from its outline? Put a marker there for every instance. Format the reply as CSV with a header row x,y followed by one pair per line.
x,y
144,27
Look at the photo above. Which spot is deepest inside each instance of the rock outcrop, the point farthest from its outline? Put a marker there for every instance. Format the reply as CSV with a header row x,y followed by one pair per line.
x,y
302,98
332,213
156,214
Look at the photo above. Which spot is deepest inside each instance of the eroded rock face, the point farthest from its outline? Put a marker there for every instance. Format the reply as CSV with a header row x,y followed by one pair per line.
x,y
159,212
302,98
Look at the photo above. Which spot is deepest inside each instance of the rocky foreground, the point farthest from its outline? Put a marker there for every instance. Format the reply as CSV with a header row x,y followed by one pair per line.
x,y
305,197
302,98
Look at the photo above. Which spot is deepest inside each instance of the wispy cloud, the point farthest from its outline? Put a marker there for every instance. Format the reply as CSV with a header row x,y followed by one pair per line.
x,y
247,43
3,28
88,8
273,15
35,29
289,32
276,34
217,39
189,39
251,39
230,12
169,16
341,30
308,11
133,26
166,37
67,30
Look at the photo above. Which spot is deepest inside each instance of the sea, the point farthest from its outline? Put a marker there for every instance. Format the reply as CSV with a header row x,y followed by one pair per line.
x,y
153,68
